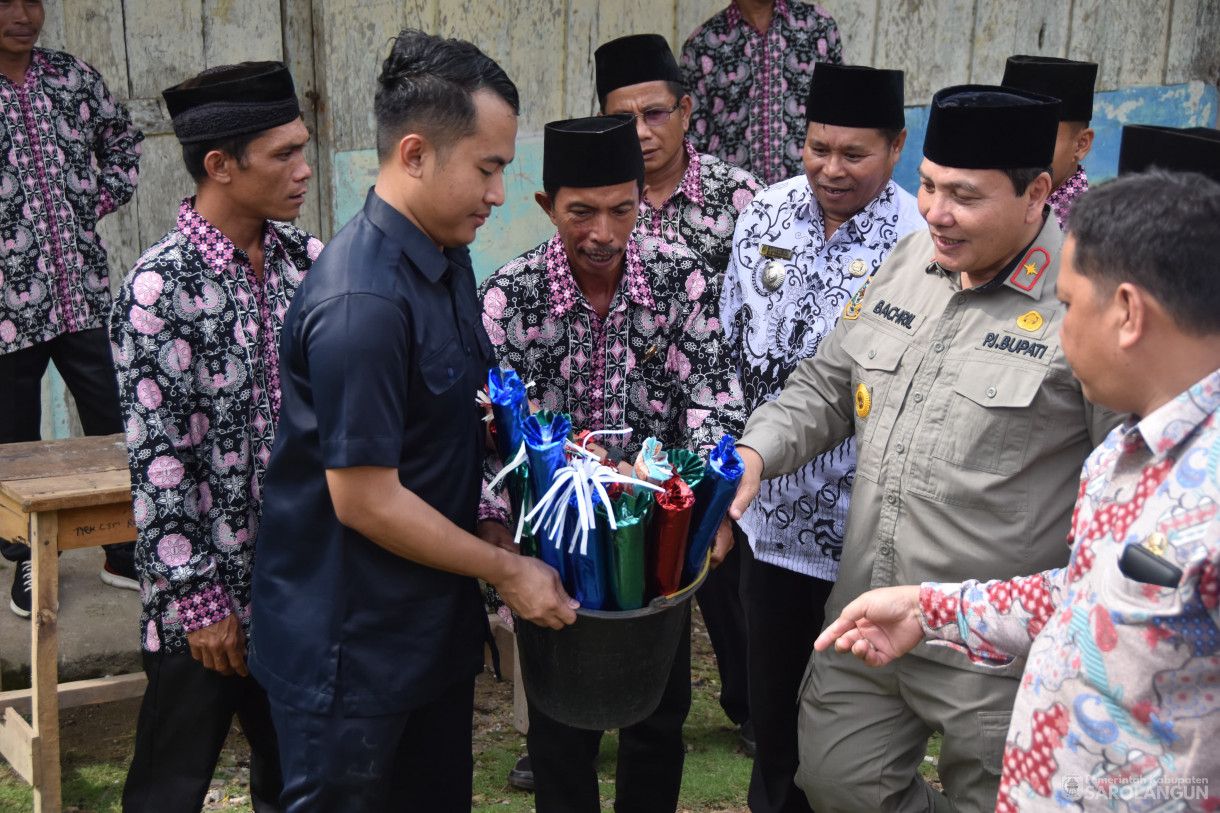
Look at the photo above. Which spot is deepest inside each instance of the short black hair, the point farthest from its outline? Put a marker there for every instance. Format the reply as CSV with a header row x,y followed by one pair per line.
x,y
1022,178
678,89
1157,230
890,134
194,153
426,86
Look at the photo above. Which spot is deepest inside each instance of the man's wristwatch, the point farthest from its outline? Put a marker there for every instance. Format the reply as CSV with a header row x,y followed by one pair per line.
x,y
614,455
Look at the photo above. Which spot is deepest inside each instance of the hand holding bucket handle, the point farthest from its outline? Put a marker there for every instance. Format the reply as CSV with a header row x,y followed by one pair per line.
x,y
535,592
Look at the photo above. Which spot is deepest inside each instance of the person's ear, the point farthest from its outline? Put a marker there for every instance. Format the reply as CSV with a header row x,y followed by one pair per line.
x,y
685,105
413,153
896,147
1133,312
547,205
1084,144
1036,195
219,165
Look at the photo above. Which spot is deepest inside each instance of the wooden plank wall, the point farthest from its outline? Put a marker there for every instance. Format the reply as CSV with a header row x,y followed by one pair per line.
x,y
142,47
335,47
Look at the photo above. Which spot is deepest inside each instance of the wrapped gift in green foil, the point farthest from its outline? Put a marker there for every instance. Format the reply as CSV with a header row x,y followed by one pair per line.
x,y
626,548
687,465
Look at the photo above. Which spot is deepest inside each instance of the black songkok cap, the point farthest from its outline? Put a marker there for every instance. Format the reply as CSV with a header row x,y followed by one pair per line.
x,y
632,60
855,96
232,100
593,151
1067,80
990,127
1191,149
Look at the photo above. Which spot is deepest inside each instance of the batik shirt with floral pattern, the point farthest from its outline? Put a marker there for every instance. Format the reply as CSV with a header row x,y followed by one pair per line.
x,y
657,363
71,156
750,87
797,521
1119,705
701,212
195,338
1061,199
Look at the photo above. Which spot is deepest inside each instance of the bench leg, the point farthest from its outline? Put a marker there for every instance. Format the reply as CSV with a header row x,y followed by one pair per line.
x,y
44,656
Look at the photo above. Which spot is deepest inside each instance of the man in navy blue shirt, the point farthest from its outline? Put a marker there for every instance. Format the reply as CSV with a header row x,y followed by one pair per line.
x,y
368,621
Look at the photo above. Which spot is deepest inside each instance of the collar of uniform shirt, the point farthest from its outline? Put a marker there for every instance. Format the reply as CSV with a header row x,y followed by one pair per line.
x,y
218,250
858,223
691,186
733,16
563,288
999,279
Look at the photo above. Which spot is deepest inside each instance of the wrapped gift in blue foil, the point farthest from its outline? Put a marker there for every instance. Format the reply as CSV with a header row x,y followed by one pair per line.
x,y
713,496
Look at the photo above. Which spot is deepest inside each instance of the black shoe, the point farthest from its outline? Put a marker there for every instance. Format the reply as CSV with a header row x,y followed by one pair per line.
x,y
522,774
23,578
745,736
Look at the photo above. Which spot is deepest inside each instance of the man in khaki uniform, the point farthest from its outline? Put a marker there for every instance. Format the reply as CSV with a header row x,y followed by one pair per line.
x,y
970,432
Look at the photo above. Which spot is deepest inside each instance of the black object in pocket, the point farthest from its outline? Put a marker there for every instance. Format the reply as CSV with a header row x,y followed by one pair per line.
x,y
1142,565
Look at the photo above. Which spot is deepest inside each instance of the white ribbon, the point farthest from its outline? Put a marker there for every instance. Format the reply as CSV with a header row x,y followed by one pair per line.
x,y
583,477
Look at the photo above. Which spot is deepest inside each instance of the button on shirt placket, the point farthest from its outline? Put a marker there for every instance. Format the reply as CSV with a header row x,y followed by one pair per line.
x,y
926,356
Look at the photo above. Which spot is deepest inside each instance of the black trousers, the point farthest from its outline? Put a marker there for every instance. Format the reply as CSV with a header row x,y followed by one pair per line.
x,y
84,361
719,600
650,754
784,614
184,719
418,761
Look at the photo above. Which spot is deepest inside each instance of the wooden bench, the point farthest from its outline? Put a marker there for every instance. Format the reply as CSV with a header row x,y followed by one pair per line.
x,y
58,495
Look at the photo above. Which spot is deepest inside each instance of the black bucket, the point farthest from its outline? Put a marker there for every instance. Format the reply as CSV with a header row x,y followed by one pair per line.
x,y
609,669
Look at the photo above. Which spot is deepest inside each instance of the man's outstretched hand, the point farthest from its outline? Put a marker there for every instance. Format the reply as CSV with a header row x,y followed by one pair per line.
x,y
878,627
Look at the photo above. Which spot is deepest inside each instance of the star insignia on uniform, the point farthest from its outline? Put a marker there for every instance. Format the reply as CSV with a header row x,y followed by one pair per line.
x,y
1030,269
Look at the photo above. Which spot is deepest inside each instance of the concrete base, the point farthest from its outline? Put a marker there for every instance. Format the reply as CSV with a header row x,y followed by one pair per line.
x,y
98,624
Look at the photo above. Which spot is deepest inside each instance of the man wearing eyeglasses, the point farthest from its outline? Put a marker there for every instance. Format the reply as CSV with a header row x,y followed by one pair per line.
x,y
691,198
694,199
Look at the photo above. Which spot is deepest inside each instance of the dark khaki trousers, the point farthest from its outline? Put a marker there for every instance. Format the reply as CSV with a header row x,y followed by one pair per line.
x,y
863,732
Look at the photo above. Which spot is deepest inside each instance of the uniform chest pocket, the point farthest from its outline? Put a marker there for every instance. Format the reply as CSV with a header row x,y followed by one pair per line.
x,y
989,418
876,358
441,369
874,375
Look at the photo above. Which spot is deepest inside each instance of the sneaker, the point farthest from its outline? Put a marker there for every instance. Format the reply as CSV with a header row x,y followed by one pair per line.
x,y
23,582
116,578
522,774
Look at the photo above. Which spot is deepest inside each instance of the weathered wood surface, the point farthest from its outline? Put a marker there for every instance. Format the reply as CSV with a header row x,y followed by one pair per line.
x,y
80,693
44,660
70,473
335,49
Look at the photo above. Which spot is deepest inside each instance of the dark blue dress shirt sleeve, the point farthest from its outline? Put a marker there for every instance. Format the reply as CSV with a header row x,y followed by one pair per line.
x,y
357,347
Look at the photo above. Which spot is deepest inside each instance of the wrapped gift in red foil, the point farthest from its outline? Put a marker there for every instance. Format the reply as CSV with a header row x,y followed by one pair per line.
x,y
667,534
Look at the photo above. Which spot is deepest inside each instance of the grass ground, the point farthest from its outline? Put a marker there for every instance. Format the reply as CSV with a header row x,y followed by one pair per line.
x,y
97,744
